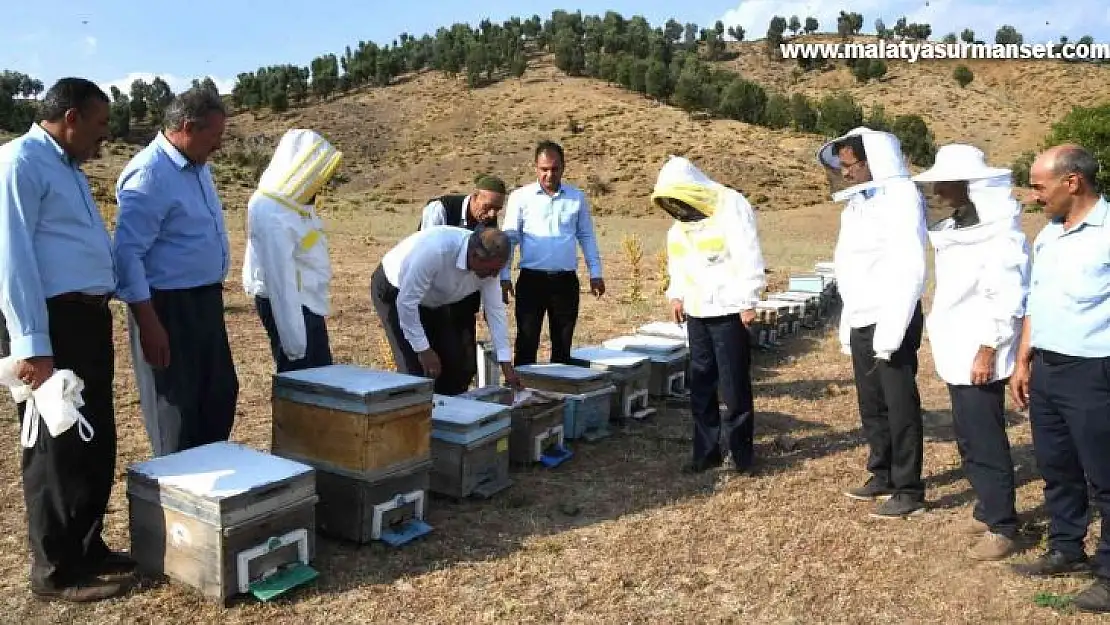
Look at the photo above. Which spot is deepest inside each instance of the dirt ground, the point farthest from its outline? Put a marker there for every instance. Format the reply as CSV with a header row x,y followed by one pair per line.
x,y
618,534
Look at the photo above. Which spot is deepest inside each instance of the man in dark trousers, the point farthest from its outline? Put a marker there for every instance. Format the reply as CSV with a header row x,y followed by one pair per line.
x,y
1063,366
171,250
548,220
880,274
480,207
56,278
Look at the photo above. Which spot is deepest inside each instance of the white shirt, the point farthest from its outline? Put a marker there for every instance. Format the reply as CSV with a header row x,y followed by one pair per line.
x,y
435,214
429,269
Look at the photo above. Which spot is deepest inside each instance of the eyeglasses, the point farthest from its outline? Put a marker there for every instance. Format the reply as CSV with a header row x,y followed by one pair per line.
x,y
846,167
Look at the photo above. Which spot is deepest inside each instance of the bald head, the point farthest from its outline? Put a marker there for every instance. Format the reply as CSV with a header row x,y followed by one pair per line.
x,y
1063,179
487,251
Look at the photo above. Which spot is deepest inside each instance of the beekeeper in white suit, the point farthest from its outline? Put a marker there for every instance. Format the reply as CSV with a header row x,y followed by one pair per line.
x,y
880,273
287,269
982,281
716,272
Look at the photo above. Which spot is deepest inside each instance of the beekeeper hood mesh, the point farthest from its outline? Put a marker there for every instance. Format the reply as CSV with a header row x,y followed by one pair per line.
x,y
884,158
302,164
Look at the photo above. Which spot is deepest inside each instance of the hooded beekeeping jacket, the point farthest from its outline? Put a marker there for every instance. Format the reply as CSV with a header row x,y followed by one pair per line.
x,y
880,253
982,281
715,265
287,255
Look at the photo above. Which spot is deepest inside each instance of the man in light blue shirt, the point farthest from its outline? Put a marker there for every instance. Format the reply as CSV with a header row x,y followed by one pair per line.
x,y
171,248
56,278
1063,369
548,220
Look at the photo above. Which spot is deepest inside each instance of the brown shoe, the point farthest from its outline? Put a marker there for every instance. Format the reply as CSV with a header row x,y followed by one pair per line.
x,y
973,527
992,547
85,591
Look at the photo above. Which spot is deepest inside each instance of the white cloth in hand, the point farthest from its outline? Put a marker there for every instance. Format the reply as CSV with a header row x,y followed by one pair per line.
x,y
57,401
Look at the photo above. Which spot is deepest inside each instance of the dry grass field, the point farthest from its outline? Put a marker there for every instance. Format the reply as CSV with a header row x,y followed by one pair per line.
x,y
618,534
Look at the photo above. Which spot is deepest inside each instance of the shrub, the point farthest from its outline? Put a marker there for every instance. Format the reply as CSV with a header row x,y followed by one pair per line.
x,y
963,75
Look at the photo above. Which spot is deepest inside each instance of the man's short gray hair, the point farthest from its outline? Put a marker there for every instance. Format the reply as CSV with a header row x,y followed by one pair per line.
x,y
1073,159
194,105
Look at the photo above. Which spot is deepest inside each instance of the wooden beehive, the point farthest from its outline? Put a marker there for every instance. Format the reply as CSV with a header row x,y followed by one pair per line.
x,y
586,394
810,305
352,418
470,447
630,373
778,315
792,312
669,358
537,424
192,513
562,378
389,506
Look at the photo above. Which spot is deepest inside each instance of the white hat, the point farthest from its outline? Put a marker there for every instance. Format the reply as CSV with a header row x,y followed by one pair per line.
x,y
958,161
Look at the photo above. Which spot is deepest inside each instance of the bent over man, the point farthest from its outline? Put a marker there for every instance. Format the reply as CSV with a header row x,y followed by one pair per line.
x,y
171,248
982,279
1063,367
413,289
286,266
880,273
716,275
479,208
56,278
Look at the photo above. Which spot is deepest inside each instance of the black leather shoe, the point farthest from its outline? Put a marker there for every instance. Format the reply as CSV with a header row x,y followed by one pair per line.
x,y
114,563
696,466
1095,598
1053,563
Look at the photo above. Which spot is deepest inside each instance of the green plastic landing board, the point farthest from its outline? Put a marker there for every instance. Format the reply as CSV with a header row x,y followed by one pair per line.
x,y
283,581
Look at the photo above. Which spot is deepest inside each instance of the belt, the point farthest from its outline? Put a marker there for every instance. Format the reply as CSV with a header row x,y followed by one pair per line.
x,y
1054,359
84,298
552,273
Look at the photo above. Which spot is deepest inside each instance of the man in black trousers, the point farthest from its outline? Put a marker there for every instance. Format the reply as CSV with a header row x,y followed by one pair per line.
x,y
479,208
1063,366
880,274
56,278
549,219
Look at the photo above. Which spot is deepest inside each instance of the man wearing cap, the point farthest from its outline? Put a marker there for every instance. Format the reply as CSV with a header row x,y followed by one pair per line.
x,y
880,274
716,273
479,208
1063,366
415,284
549,219
982,279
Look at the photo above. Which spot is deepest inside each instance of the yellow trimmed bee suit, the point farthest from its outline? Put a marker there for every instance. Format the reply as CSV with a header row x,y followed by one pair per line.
x,y
286,258
715,265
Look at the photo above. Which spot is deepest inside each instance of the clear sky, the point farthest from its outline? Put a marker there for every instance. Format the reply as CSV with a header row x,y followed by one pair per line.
x,y
113,41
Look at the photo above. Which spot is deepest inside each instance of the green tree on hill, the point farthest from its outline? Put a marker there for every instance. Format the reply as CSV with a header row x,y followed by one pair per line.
x,y
1090,128
916,139
18,106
